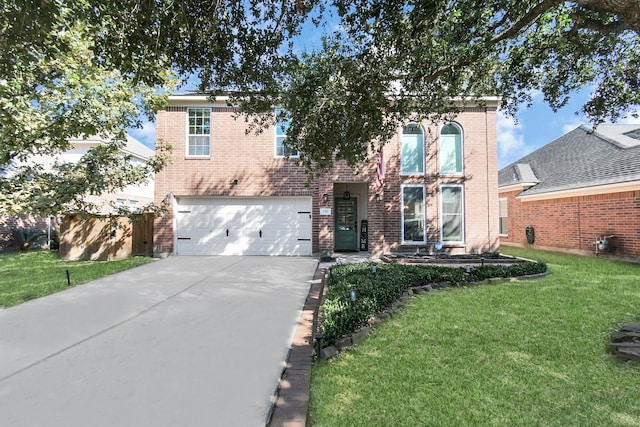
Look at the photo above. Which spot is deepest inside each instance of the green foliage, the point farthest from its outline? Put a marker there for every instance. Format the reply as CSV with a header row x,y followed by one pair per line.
x,y
527,354
34,274
376,291
391,62
55,87
84,68
54,241
23,238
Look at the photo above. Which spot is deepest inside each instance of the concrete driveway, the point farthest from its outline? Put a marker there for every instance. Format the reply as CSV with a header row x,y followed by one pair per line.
x,y
184,341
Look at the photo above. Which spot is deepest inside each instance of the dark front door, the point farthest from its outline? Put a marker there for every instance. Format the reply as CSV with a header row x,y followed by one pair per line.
x,y
346,226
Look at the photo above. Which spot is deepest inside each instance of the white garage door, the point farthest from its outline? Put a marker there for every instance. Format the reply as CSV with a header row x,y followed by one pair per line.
x,y
244,226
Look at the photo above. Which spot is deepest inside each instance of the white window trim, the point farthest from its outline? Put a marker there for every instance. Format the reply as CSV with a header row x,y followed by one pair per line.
x,y
464,233
201,156
456,124
275,142
424,149
424,214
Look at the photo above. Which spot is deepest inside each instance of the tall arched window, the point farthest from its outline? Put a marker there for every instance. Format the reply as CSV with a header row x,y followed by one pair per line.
x,y
412,151
451,149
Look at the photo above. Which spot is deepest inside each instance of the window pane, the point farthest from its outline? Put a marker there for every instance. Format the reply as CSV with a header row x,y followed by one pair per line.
x,y
281,135
413,214
451,149
503,216
198,145
199,131
412,150
452,225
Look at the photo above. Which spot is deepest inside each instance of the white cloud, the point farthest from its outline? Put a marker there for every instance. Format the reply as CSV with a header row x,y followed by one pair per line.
x,y
146,134
511,143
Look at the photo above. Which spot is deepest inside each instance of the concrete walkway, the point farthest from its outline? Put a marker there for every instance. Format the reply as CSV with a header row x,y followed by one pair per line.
x,y
185,341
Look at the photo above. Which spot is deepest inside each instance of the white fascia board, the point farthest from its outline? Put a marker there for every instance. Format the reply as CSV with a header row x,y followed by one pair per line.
x,y
586,191
514,187
196,99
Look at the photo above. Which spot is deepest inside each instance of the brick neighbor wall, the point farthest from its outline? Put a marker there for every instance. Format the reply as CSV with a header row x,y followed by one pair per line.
x,y
571,224
37,223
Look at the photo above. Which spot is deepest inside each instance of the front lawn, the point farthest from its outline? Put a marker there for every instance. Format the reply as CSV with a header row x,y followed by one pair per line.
x,y
525,353
34,274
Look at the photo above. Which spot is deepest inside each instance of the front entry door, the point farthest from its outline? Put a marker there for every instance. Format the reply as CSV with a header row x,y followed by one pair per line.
x,y
346,226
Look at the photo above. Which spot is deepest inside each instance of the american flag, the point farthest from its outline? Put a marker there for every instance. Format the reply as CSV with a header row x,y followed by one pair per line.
x,y
380,172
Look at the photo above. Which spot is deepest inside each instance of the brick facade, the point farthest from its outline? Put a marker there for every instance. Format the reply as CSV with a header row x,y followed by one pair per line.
x,y
39,225
572,224
249,159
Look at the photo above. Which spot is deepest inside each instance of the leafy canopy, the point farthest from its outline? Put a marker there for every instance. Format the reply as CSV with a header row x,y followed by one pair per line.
x,y
69,69
393,61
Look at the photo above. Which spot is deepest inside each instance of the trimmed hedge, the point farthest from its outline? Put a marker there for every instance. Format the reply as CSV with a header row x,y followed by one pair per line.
x,y
378,286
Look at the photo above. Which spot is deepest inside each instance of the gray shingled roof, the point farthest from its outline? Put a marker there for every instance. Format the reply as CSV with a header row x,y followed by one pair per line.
x,y
580,159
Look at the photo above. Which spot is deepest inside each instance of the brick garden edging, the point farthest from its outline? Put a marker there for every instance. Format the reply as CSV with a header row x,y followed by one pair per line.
x,y
291,399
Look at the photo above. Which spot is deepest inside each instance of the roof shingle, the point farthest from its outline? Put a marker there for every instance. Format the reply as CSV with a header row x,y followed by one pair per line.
x,y
579,159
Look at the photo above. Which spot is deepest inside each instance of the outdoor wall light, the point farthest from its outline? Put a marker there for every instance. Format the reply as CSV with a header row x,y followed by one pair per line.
x,y
378,197
234,182
346,195
325,197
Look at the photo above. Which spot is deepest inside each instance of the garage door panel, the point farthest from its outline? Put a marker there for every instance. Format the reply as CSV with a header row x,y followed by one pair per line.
x,y
244,226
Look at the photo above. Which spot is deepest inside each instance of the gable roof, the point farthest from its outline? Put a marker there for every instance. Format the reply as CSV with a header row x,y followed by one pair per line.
x,y
579,159
132,146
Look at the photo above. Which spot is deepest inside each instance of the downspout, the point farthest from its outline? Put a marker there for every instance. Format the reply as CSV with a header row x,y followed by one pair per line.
x,y
486,141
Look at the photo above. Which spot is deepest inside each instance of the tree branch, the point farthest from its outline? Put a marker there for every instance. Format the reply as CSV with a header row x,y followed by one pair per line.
x,y
527,19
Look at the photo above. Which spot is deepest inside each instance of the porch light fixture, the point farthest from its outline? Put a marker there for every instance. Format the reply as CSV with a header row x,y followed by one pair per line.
x,y
325,197
378,197
346,195
234,182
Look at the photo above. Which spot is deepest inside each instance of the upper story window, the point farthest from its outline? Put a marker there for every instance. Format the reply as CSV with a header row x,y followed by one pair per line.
x,y
199,132
282,125
451,149
413,214
452,208
412,150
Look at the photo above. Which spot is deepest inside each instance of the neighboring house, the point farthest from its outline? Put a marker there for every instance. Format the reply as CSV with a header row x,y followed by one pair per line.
x,y
230,192
579,193
131,197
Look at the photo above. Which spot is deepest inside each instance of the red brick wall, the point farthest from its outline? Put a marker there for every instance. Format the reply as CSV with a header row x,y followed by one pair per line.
x,y
249,158
480,181
38,224
572,224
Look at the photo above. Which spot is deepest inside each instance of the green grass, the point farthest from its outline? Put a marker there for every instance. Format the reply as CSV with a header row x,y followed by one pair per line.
x,y
34,274
525,353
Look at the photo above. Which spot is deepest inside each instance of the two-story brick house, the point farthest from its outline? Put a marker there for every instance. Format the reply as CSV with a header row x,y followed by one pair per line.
x,y
233,192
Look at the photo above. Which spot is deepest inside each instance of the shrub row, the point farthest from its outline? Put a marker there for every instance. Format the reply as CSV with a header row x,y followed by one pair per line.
x,y
377,286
